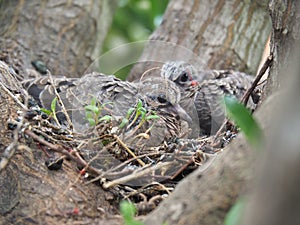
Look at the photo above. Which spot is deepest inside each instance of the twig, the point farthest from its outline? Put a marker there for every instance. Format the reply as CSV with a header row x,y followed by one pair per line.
x,y
134,192
247,94
13,97
60,101
220,130
181,169
135,175
128,150
262,71
155,198
110,171
61,150
10,149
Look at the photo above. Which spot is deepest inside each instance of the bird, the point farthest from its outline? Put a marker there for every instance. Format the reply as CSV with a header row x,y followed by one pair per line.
x,y
156,94
207,88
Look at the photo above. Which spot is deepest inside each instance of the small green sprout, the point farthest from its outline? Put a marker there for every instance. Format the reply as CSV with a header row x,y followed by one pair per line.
x,y
126,119
52,111
123,123
105,118
46,111
53,104
93,111
129,112
140,112
152,117
128,211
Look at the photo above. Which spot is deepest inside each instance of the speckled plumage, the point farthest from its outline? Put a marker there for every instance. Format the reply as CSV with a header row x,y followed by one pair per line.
x,y
207,89
157,94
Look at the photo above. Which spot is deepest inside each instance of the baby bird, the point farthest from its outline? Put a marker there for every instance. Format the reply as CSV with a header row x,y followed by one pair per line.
x,y
157,94
207,89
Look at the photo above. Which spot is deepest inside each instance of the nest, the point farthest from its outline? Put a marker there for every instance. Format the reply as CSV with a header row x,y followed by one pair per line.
x,y
129,169
105,154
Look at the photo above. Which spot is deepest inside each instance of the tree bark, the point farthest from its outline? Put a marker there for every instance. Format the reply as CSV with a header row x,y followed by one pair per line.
x,y
285,32
275,198
206,195
209,34
32,194
66,35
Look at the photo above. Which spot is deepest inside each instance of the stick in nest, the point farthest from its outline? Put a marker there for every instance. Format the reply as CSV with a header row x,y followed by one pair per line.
x,y
262,71
63,151
10,149
13,96
128,150
136,175
247,94
60,101
108,172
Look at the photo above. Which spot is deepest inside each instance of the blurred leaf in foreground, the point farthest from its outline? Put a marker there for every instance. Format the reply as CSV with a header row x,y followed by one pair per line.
x,y
234,215
245,121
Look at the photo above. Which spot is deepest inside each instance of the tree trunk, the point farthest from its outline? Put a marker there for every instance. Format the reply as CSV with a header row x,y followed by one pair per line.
x,y
67,36
285,32
206,195
32,194
275,199
209,34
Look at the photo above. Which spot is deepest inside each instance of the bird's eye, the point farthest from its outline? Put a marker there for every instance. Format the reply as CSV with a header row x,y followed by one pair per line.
x,y
184,77
161,99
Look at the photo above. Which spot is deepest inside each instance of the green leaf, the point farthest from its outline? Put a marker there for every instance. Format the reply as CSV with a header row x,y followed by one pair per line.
x,y
123,123
93,101
151,117
143,112
139,104
92,108
46,111
243,118
92,122
53,105
105,118
234,215
89,114
129,112
128,211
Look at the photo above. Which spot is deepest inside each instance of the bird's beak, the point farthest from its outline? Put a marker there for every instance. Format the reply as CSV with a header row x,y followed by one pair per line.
x,y
183,114
194,83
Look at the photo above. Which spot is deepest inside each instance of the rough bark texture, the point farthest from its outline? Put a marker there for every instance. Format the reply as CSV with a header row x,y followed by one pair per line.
x,y
285,23
32,194
276,198
210,34
66,35
205,196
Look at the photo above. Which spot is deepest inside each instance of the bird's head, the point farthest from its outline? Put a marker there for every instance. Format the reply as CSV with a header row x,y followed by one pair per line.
x,y
181,73
163,96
